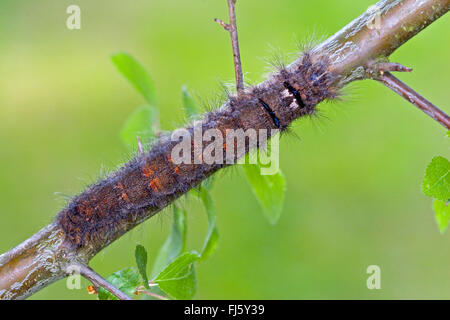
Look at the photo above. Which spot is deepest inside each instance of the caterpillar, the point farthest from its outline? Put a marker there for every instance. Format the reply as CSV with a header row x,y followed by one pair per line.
x,y
152,180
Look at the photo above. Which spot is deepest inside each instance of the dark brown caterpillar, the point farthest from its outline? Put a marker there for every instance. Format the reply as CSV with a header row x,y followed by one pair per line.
x,y
151,181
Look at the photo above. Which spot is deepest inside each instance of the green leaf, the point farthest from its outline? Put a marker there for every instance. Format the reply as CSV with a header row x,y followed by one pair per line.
x,y
178,279
448,134
212,237
141,261
126,280
175,243
268,189
136,74
436,183
142,123
442,212
189,105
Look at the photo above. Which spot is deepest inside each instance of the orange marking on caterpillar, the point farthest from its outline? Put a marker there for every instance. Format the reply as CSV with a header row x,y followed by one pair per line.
x,y
123,195
176,169
155,184
146,171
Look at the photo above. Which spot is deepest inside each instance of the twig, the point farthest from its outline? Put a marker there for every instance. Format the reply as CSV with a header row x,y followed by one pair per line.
x,y
376,69
99,281
382,73
393,83
32,258
232,29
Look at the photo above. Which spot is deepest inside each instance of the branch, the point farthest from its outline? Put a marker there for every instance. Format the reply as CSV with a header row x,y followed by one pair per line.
x,y
32,265
381,71
416,99
99,281
376,34
232,29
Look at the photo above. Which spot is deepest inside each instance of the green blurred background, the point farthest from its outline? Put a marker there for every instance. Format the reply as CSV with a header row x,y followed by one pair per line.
x,y
353,175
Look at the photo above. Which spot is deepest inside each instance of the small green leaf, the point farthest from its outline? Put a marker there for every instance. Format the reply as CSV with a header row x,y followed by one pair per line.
x,y
189,105
436,183
141,261
142,123
126,280
178,279
442,212
136,74
448,134
175,243
268,189
212,237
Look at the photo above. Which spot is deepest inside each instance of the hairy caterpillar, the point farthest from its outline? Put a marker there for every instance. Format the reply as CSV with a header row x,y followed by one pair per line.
x,y
152,180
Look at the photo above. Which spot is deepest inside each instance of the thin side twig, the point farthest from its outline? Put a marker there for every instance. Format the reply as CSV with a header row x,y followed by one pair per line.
x,y
381,71
232,29
396,85
99,281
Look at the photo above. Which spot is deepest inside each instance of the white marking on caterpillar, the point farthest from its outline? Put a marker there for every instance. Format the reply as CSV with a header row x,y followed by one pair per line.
x,y
285,93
